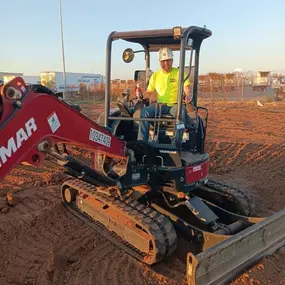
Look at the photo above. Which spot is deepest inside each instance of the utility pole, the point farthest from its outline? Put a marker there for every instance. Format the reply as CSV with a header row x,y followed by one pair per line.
x,y
62,50
242,87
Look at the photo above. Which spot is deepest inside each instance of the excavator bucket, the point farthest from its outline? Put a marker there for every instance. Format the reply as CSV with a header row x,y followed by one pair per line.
x,y
222,262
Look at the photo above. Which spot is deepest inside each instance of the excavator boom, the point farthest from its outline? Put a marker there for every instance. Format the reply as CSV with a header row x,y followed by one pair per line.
x,y
33,123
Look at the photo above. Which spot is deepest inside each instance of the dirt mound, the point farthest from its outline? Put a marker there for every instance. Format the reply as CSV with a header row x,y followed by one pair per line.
x,y
42,243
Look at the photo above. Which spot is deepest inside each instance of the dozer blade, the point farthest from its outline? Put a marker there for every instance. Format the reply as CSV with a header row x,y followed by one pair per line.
x,y
224,261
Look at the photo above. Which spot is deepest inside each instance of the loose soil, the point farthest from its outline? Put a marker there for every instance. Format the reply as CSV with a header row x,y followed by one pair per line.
x,y
42,243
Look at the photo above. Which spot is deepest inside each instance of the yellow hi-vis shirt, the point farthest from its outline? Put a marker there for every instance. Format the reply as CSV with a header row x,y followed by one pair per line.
x,y
166,85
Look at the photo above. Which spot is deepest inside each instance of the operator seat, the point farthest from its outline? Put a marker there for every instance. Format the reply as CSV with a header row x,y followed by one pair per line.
x,y
165,116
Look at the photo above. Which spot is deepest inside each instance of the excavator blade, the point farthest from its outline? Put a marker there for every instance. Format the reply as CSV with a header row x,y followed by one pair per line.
x,y
224,261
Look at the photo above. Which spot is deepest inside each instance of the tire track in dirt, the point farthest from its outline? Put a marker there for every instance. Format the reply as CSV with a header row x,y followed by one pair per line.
x,y
138,275
232,154
103,264
261,154
132,270
223,152
115,265
270,164
267,158
226,154
29,205
64,257
92,263
100,266
259,168
110,266
27,177
236,152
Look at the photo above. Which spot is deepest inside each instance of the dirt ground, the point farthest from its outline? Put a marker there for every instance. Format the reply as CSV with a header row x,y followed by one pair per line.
x,y
42,243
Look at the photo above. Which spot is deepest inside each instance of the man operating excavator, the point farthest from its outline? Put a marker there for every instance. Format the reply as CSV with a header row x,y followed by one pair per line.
x,y
163,89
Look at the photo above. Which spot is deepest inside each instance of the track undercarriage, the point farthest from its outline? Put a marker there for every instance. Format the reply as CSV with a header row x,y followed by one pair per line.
x,y
137,229
148,228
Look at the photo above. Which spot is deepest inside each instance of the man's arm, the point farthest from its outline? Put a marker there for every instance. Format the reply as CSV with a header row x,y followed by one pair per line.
x,y
187,90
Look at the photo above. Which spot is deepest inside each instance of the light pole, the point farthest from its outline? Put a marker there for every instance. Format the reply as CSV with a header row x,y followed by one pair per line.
x,y
62,50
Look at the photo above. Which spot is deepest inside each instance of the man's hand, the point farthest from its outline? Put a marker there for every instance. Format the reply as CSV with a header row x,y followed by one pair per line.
x,y
188,96
188,99
152,96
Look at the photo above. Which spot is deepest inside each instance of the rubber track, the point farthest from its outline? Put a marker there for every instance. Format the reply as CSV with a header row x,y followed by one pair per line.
x,y
230,190
159,226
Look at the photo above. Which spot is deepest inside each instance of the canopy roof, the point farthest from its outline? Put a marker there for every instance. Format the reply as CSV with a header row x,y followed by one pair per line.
x,y
155,39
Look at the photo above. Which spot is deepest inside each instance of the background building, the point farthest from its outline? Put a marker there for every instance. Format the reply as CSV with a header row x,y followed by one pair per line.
x,y
32,79
55,81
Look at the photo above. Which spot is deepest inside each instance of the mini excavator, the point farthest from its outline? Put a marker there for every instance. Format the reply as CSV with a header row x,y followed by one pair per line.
x,y
142,196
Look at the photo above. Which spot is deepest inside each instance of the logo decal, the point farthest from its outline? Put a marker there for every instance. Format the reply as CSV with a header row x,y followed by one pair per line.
x,y
15,142
197,168
53,122
167,151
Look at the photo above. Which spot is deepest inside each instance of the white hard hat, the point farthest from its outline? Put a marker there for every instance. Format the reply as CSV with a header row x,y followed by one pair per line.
x,y
165,53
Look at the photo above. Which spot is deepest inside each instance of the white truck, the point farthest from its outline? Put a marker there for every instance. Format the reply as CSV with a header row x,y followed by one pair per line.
x,y
278,85
7,76
261,80
55,81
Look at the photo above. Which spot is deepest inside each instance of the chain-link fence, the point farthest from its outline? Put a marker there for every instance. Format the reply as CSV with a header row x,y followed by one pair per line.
x,y
232,87
91,99
212,86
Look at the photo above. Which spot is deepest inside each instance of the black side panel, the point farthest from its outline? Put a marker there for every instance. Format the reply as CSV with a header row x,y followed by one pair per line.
x,y
196,138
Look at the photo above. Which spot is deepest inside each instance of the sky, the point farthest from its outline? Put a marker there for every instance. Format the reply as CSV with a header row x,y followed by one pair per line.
x,y
246,34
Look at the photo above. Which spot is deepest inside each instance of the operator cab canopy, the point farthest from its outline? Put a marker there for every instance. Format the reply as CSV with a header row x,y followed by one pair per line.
x,y
153,40
176,38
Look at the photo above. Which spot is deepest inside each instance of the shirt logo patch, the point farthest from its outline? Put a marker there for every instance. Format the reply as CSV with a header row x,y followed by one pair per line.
x,y
172,80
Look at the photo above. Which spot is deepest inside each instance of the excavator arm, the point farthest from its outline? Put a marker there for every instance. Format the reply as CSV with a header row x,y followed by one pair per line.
x,y
32,124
